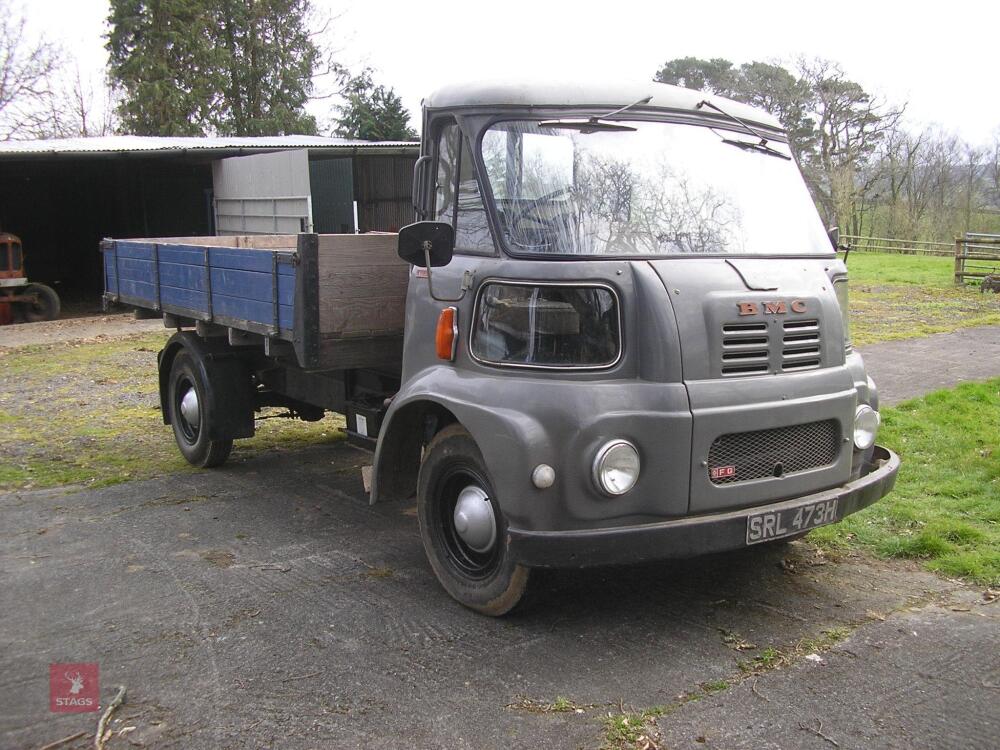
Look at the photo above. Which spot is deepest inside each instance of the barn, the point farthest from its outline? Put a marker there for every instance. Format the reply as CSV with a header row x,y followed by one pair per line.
x,y
62,196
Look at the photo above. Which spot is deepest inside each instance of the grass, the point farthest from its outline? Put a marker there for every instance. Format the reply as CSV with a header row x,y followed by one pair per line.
x,y
945,508
88,413
897,296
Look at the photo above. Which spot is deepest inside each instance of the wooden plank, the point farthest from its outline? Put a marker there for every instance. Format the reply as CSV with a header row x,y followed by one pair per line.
x,y
360,283
247,241
374,351
254,311
252,285
339,250
375,315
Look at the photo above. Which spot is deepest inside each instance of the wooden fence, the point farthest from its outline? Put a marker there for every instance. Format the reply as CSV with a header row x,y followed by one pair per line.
x,y
905,247
976,256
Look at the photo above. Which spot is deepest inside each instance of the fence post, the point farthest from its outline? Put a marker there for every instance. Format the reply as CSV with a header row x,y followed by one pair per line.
x,y
959,262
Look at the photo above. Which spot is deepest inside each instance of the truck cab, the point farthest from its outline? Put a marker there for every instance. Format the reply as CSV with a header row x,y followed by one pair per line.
x,y
626,338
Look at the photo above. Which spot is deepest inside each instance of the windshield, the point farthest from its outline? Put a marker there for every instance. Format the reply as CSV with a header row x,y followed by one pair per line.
x,y
660,189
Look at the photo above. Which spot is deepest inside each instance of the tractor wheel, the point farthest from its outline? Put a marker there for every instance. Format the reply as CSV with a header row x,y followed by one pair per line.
x,y
45,306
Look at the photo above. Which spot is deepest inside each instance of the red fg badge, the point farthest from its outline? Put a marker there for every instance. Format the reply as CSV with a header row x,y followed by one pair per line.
x,y
721,472
74,688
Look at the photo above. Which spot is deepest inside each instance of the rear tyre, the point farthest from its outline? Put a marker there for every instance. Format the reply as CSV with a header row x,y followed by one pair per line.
x,y
45,307
191,417
462,527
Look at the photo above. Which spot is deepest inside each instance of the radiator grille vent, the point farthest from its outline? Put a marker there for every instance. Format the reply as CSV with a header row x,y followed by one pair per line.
x,y
747,347
743,456
800,345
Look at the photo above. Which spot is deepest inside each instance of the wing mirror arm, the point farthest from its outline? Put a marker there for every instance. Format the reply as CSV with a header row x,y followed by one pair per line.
x,y
466,277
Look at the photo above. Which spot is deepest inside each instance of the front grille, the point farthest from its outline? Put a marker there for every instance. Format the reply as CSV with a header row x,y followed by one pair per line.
x,y
800,345
743,456
746,347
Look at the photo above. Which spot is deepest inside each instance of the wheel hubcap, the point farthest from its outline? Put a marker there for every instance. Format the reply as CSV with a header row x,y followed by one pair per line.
x,y
474,520
189,408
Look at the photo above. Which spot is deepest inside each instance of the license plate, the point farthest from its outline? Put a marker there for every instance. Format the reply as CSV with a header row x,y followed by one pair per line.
x,y
775,524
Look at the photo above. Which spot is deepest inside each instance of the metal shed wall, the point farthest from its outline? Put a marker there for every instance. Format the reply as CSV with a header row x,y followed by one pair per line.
x,y
383,186
263,194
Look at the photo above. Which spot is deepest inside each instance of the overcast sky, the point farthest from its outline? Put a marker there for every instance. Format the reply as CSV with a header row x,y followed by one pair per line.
x,y
932,56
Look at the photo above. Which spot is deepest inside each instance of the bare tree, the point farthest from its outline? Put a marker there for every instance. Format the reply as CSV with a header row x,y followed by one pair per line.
x,y
843,170
75,107
26,72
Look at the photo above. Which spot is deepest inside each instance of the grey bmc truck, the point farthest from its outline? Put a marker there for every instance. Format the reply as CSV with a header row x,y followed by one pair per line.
x,y
617,332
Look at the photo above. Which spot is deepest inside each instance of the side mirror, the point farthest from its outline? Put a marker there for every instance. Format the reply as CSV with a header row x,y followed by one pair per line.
x,y
834,234
427,241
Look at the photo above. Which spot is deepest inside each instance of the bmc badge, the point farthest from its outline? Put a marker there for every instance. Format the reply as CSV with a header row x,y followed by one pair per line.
x,y
779,307
74,688
722,472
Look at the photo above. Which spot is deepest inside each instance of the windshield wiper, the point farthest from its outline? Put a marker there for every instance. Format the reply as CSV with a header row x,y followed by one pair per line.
x,y
597,122
761,147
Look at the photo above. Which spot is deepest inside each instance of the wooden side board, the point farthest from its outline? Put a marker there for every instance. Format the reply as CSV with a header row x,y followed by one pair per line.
x,y
249,241
362,286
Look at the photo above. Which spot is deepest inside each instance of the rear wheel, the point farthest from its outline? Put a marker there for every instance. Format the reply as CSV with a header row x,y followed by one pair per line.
x,y
191,415
462,528
45,307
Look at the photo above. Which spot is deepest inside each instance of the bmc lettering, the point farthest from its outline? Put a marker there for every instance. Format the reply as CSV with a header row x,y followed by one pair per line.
x,y
777,307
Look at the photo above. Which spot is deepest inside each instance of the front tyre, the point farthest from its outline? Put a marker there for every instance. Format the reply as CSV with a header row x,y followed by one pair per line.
x,y
191,415
462,528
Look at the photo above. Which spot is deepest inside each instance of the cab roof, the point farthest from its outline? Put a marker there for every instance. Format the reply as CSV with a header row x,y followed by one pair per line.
x,y
589,93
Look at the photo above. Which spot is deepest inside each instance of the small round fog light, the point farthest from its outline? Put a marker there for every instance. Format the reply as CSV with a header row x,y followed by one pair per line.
x,y
866,422
616,467
544,476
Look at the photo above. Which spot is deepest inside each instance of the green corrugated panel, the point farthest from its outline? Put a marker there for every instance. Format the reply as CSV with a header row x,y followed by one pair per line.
x,y
332,185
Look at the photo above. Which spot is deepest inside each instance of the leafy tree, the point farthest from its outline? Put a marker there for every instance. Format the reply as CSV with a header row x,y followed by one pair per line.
x,y
716,75
163,56
269,64
765,85
372,112
187,67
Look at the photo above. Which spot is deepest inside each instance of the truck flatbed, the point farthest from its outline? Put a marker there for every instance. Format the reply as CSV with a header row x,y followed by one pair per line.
x,y
332,301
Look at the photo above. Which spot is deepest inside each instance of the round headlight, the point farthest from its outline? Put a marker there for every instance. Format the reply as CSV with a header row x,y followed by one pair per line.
x,y
616,467
866,422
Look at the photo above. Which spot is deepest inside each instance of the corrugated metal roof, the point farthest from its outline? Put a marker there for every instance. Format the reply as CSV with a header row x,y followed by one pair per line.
x,y
154,144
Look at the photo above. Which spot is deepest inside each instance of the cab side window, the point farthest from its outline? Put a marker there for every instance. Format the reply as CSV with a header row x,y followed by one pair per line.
x,y
457,199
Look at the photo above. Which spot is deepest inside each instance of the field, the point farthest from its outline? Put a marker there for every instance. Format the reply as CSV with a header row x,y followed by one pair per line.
x,y
906,296
945,509
89,414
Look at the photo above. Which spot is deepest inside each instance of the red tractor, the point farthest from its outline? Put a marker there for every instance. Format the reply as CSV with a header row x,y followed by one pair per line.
x,y
19,300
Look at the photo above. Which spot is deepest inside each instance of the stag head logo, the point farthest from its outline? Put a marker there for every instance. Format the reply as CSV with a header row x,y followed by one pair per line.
x,y
74,688
76,682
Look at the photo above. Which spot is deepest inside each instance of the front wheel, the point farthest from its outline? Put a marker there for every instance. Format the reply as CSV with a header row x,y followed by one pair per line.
x,y
191,415
462,528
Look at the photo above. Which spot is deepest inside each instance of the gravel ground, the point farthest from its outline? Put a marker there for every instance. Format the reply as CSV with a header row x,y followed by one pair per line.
x,y
266,604
89,328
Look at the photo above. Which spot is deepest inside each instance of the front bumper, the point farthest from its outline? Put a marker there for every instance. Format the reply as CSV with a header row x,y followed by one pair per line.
x,y
691,535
